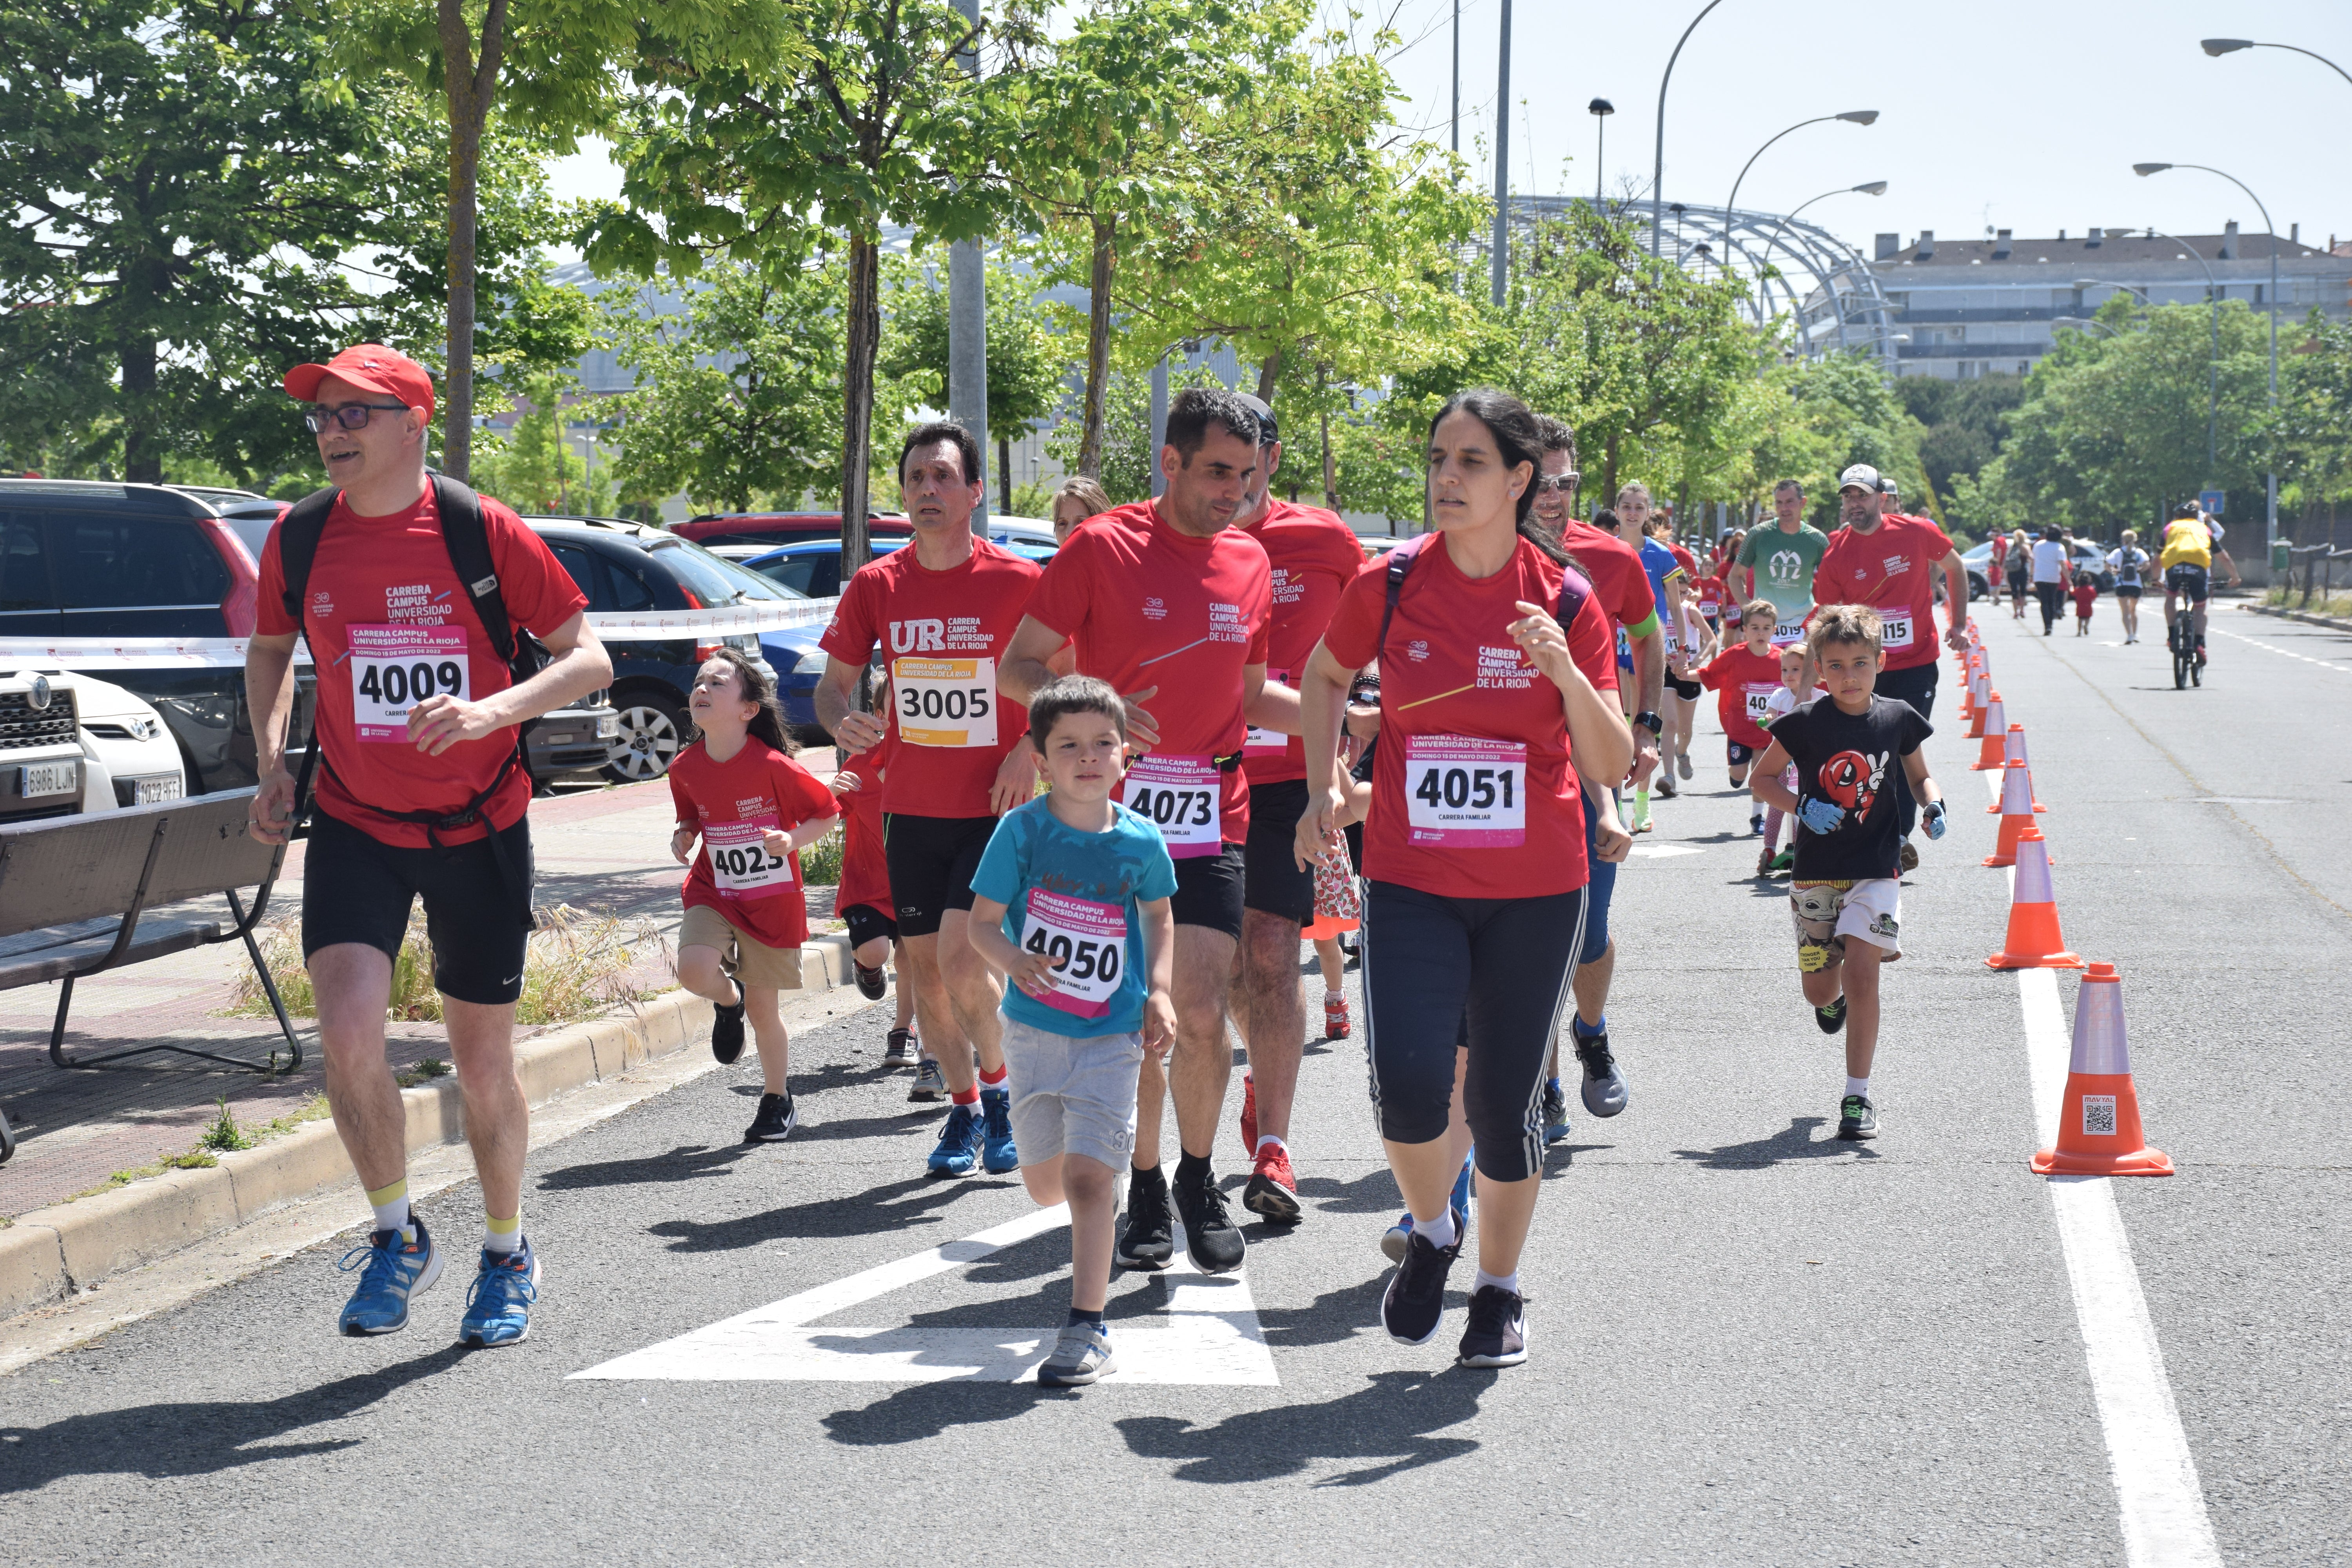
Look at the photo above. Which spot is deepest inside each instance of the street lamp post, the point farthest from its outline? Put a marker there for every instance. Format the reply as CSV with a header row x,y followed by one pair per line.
x,y
1502,259
1867,188
1852,116
2219,47
2270,481
1658,170
1600,108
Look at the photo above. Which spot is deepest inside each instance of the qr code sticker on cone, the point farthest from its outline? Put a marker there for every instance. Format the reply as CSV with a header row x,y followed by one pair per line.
x,y
2098,1116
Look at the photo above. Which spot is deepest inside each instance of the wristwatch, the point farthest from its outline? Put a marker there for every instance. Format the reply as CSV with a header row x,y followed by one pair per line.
x,y
1651,723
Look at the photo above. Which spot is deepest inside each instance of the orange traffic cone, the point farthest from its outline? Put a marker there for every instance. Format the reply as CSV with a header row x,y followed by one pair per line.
x,y
1994,753
1986,707
2098,1122
1969,694
2016,816
2033,942
2013,750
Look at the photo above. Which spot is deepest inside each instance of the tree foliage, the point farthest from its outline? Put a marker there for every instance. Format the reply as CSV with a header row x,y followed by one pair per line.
x,y
1028,359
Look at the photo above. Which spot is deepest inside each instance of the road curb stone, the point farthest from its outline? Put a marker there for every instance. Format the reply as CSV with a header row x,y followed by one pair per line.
x,y
50,1253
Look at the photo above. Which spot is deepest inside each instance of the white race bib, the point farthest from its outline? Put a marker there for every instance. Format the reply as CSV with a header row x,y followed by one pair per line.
x,y
1759,700
1181,796
945,702
1710,607
740,864
1895,632
1088,943
1268,742
395,668
1787,632
1466,793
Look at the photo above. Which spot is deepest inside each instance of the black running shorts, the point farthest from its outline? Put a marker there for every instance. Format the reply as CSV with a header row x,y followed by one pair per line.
x,y
867,923
357,888
1209,891
1272,883
933,862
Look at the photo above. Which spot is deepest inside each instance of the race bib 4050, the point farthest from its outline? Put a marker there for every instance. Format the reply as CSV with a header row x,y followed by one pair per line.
x,y
1088,943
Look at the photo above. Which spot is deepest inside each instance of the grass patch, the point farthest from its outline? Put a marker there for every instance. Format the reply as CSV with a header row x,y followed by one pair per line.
x,y
223,1134
574,968
424,1071
2321,604
821,861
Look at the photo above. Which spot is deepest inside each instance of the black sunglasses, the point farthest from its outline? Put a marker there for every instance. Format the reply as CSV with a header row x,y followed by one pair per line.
x,y
351,416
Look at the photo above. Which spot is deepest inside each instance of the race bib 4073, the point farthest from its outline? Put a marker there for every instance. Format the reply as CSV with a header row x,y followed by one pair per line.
x,y
1178,796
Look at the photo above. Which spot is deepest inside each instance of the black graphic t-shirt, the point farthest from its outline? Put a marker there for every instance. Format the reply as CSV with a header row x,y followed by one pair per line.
x,y
1850,760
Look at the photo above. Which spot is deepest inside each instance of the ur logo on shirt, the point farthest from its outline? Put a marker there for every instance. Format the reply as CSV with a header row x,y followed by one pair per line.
x,y
1852,780
918,635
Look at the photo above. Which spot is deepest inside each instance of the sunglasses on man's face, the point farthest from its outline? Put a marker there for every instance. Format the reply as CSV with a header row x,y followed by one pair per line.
x,y
351,416
1560,484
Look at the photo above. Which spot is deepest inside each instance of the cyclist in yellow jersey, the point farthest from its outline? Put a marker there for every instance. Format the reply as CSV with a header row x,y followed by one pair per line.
x,y
2191,540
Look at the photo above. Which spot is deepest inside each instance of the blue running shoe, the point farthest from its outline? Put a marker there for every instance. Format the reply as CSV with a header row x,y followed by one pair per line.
x,y
497,1308
393,1270
1461,1198
960,1142
1555,1110
998,1156
1393,1239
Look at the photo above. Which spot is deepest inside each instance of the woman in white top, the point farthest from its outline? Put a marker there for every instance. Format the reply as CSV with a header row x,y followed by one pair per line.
x,y
2130,564
2049,575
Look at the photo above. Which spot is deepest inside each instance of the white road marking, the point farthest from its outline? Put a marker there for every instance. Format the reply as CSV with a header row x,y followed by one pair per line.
x,y
2283,653
1663,851
1209,1334
2161,1500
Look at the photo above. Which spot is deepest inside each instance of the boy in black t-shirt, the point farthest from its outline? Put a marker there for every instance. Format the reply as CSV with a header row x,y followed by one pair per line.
x,y
1845,896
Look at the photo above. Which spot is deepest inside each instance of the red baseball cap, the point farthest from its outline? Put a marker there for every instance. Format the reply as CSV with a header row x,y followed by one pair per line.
x,y
371,367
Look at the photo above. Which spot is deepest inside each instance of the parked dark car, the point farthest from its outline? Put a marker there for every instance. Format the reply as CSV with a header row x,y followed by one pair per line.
x,y
783,527
624,566
812,569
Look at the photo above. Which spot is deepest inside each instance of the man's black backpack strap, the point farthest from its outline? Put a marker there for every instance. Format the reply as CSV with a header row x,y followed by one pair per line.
x,y
297,544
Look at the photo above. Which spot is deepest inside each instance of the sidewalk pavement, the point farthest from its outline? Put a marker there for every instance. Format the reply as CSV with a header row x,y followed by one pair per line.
x,y
603,850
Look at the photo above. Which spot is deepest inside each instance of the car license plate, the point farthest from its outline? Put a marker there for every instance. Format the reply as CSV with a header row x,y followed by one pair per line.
x,y
35,779
562,740
608,726
147,791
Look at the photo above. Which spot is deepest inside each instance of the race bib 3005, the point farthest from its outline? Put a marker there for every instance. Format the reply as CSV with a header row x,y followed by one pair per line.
x,y
1088,943
1180,795
741,863
1466,793
945,702
395,668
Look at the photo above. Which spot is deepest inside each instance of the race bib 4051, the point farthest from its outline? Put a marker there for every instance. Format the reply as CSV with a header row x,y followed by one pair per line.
x,y
1463,792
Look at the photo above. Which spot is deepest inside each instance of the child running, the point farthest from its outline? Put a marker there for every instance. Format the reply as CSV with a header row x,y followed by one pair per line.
x,y
2086,596
1688,646
1845,899
1070,904
1747,673
1796,687
738,790
863,900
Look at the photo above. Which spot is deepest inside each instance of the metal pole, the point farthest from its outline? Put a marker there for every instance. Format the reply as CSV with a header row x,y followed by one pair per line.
x,y
1158,425
1658,170
1457,77
1502,256
2270,481
968,325
1600,147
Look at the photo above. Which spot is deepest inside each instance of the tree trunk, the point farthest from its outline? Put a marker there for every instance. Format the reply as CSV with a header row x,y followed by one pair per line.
x,y
1004,472
864,334
1269,372
1099,276
471,83
1331,473
143,451
1609,471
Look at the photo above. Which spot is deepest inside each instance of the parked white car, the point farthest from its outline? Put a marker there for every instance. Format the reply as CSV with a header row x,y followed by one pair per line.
x,y
72,744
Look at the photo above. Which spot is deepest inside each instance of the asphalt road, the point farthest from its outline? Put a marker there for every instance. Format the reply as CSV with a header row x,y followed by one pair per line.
x,y
1751,1344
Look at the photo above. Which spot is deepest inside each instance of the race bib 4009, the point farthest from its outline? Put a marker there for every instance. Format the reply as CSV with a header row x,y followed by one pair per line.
x,y
1088,943
945,702
1466,792
395,668
1178,796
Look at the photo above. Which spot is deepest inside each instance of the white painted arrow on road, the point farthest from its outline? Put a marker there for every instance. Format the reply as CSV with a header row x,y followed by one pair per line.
x,y
1208,1333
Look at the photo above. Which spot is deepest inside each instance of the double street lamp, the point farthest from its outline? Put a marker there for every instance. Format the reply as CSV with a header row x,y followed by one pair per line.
x,y
2219,47
1851,117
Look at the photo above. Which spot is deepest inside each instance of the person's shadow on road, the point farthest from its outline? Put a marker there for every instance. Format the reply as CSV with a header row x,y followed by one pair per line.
x,y
1795,1142
200,1437
1391,1422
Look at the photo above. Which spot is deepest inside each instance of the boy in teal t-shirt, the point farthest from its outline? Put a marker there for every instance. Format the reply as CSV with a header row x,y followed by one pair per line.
x,y
1070,903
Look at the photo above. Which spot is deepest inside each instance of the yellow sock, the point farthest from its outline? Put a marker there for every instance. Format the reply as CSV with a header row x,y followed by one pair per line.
x,y
390,1206
502,1234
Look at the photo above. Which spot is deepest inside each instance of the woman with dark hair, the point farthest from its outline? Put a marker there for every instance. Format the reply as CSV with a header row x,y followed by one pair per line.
x,y
2051,568
1474,846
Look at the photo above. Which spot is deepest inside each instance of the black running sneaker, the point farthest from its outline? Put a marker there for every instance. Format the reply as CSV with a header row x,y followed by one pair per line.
x,y
870,982
1857,1118
1832,1018
1211,1236
1415,1299
774,1122
901,1051
727,1030
1497,1334
1148,1239
1908,857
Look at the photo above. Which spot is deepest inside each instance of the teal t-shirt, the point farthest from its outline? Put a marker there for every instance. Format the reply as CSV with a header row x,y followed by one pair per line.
x,y
1783,564
1076,896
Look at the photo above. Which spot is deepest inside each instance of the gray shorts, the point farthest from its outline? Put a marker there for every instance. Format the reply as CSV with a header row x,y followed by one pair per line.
x,y
1072,1096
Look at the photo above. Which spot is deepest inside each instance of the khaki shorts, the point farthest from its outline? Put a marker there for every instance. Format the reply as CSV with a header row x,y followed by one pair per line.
x,y
750,961
1826,913
1072,1095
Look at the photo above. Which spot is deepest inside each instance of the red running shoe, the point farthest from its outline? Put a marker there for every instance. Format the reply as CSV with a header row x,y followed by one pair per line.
x,y
1335,1016
1273,1191
1249,1116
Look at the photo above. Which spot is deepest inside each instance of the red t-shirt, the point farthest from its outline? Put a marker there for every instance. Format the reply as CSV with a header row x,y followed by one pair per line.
x,y
865,868
1891,569
1614,569
2085,595
384,603
948,632
1747,681
734,802
1689,563
1708,591
1311,555
1149,607
1461,707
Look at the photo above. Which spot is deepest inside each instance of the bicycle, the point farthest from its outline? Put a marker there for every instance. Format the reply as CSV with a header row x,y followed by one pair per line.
x,y
2181,638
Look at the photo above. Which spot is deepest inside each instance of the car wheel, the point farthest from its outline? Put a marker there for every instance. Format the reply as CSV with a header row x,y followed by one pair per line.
x,y
652,729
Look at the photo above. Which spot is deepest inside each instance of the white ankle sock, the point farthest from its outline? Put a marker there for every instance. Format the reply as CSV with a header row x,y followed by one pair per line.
x,y
1500,1281
1860,1086
1439,1232
502,1235
390,1206
1265,1137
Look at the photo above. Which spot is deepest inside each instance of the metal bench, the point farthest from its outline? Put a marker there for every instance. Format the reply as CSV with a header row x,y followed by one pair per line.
x,y
81,895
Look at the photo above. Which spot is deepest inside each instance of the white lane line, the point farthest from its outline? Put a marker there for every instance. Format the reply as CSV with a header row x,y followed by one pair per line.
x,y
2158,1493
2283,653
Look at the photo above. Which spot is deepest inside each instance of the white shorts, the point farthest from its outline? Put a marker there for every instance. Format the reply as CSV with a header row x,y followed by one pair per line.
x,y
1072,1095
1826,913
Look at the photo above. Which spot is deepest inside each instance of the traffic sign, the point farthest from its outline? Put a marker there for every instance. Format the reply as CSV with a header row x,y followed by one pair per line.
x,y
2211,502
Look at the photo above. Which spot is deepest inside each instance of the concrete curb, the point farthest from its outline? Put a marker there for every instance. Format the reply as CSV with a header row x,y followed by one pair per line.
x,y
2333,623
53,1252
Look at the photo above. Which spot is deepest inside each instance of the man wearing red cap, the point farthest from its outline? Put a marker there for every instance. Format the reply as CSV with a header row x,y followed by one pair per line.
x,y
419,793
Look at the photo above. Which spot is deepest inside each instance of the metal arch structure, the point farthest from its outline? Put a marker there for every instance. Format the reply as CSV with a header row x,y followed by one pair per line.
x,y
1845,308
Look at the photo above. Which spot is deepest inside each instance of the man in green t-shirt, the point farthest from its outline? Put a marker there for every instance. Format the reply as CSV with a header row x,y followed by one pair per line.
x,y
1777,563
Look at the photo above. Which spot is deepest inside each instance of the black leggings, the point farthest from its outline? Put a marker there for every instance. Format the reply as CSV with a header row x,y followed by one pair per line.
x,y
2053,601
1492,972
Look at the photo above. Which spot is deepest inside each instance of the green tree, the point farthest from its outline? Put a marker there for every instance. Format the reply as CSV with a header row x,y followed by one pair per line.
x,y
1028,357
2312,433
1964,421
1126,458
532,468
